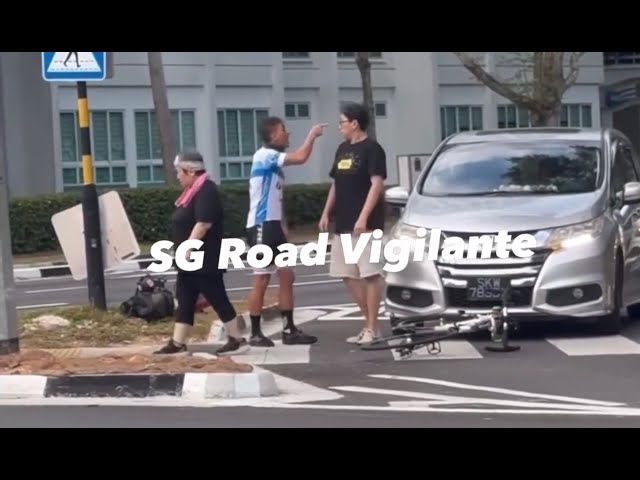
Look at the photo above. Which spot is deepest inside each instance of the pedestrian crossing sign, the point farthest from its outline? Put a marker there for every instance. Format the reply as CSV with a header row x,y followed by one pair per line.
x,y
74,66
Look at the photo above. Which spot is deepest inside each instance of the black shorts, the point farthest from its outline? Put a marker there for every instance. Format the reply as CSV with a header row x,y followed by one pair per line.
x,y
270,234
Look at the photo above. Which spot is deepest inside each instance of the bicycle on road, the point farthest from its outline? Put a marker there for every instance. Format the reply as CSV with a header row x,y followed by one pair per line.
x,y
409,333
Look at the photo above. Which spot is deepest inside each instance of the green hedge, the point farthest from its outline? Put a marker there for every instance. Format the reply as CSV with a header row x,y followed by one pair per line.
x,y
149,210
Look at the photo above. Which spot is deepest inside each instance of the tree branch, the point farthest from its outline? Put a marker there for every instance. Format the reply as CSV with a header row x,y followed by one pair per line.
x,y
492,82
574,67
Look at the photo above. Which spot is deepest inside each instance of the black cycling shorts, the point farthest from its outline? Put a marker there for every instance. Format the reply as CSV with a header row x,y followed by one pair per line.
x,y
268,233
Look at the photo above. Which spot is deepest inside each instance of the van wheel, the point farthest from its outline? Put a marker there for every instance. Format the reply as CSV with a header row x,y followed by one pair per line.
x,y
612,324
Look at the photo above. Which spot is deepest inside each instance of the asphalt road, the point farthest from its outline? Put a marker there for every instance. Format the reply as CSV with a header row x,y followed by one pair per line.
x,y
311,283
563,375
232,417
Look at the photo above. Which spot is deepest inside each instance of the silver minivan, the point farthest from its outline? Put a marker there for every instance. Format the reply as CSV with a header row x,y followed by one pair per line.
x,y
576,191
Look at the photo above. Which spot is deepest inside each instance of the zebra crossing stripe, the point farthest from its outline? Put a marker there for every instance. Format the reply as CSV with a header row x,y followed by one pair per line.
x,y
593,346
452,349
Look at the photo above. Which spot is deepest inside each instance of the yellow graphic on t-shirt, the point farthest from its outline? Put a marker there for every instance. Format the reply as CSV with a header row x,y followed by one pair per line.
x,y
344,164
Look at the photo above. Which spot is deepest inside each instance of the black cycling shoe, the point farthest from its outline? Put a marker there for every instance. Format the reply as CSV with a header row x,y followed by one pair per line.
x,y
171,348
295,336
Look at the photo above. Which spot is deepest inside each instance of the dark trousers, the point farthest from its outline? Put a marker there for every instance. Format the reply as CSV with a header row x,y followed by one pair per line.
x,y
190,285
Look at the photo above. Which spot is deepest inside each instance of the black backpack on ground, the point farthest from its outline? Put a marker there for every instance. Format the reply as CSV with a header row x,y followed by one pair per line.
x,y
152,301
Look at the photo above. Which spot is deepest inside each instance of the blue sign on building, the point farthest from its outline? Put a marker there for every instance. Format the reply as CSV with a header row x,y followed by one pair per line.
x,y
74,66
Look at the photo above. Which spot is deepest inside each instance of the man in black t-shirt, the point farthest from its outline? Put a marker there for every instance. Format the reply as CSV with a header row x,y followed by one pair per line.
x,y
356,200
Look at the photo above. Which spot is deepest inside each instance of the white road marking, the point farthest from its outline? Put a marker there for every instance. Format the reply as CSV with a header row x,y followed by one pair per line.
x,y
348,313
43,305
503,391
458,400
142,273
233,289
606,345
609,412
62,289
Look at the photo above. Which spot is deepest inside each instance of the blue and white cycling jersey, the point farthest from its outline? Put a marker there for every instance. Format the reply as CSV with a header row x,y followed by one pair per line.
x,y
265,187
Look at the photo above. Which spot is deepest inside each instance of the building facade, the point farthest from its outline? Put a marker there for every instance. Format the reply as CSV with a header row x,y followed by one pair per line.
x,y
217,99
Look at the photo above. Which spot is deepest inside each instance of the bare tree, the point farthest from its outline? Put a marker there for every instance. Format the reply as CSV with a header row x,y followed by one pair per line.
x,y
541,80
163,115
364,66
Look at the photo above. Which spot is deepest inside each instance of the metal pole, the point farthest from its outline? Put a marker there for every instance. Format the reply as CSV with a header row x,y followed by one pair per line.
x,y
9,342
90,209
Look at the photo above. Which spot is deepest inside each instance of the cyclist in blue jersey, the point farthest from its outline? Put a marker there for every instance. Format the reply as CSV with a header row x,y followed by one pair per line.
x,y
266,225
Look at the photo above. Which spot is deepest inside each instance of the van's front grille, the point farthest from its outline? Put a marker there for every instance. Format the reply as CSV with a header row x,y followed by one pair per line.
x,y
519,273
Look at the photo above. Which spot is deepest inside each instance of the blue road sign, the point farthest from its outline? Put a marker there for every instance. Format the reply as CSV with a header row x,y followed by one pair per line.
x,y
74,66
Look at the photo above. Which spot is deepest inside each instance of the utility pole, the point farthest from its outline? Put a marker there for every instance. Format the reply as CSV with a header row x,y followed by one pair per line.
x,y
90,209
8,315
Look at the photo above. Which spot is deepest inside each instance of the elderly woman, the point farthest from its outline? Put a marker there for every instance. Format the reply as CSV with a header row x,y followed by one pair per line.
x,y
199,215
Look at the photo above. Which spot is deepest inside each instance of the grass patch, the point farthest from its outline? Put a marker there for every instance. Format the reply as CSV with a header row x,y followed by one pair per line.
x,y
88,327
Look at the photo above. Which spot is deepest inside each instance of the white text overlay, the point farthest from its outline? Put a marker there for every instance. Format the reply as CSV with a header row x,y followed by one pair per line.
x,y
394,253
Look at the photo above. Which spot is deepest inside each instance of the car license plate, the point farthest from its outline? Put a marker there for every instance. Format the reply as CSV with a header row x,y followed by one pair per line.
x,y
485,289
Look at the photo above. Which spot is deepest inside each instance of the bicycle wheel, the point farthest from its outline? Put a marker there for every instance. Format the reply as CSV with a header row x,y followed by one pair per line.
x,y
405,341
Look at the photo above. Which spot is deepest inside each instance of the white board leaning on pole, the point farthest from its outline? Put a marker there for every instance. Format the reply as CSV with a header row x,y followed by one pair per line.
x,y
119,243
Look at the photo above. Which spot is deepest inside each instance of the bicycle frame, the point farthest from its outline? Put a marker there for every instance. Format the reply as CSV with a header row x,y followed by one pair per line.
x,y
411,332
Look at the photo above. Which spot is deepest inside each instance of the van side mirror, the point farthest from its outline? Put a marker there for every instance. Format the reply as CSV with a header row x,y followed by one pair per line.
x,y
631,192
397,196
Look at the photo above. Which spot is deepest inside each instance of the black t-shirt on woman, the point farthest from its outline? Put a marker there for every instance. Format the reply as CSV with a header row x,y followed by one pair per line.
x,y
205,207
352,169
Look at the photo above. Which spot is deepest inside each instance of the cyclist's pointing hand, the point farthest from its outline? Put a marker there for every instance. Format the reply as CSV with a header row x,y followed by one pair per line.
x,y
317,130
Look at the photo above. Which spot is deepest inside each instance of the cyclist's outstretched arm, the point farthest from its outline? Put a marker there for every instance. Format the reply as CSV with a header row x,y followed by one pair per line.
x,y
303,152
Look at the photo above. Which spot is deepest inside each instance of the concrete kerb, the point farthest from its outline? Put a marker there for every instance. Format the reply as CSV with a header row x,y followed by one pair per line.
x,y
190,386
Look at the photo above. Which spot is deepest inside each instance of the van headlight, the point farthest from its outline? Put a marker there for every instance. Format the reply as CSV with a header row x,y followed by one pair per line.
x,y
571,235
404,231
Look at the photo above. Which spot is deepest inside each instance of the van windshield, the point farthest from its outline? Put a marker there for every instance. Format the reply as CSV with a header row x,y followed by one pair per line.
x,y
521,168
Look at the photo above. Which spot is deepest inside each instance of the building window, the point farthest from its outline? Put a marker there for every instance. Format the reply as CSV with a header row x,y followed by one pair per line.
x,y
576,115
238,139
510,116
295,55
454,119
353,54
107,148
621,58
572,115
148,151
297,110
381,109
